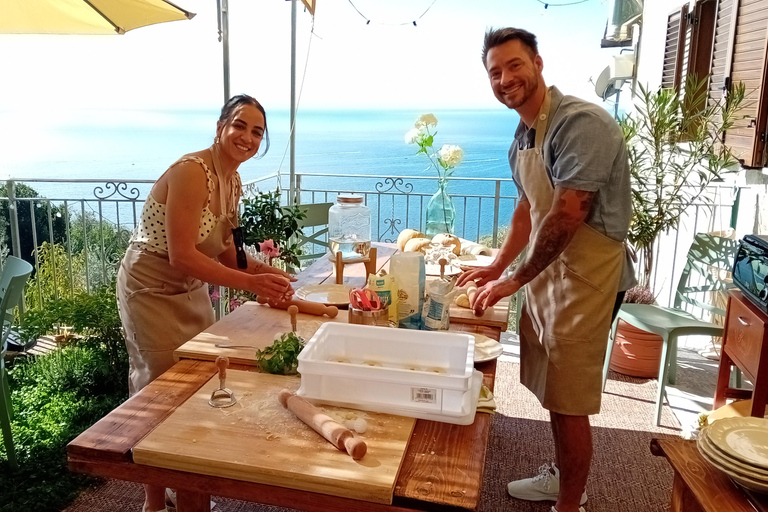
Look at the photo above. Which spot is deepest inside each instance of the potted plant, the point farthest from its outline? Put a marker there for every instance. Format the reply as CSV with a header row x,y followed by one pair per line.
x,y
264,219
675,153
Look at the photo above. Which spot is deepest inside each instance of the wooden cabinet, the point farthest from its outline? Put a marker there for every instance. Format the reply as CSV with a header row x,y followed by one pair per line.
x,y
744,346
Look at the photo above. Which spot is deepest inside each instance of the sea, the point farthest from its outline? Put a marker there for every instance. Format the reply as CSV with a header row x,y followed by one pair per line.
x,y
140,144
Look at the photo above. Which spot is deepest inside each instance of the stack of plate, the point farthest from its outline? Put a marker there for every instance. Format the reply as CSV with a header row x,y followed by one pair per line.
x,y
738,447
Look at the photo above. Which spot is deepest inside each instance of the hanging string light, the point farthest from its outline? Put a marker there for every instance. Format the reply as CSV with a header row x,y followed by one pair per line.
x,y
412,22
550,4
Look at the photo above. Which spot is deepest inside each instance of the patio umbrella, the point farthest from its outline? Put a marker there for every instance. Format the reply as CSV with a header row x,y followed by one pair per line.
x,y
84,17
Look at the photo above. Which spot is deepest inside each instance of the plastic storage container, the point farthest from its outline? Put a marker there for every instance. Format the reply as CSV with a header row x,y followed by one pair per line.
x,y
420,374
349,228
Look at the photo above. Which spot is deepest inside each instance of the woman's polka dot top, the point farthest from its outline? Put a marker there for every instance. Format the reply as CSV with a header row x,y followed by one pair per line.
x,y
150,233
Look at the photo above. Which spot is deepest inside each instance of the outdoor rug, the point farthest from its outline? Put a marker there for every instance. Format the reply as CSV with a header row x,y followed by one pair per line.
x,y
625,476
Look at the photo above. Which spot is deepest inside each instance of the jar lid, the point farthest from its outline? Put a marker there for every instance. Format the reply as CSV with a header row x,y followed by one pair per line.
x,y
349,198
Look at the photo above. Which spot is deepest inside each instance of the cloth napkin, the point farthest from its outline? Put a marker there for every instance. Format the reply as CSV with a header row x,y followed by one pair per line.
x,y
486,403
469,247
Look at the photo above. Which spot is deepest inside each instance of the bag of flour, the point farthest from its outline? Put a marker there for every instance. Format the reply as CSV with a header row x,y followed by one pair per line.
x,y
408,271
437,303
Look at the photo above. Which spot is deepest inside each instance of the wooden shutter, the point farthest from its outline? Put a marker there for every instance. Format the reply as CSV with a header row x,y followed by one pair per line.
x,y
722,47
748,65
674,49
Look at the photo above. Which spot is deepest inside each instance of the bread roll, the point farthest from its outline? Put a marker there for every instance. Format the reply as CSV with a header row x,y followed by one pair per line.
x,y
448,240
417,245
462,300
406,235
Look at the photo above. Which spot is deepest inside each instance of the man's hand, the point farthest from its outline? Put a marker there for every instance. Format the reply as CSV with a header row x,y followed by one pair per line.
x,y
480,275
493,292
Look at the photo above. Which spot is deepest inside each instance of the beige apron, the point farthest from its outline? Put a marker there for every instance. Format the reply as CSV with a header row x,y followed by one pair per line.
x,y
160,307
567,314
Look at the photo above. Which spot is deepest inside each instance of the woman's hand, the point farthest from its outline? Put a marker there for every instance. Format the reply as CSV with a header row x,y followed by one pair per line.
x,y
268,269
271,285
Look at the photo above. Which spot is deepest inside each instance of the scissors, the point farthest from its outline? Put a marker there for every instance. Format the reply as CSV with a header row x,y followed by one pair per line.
x,y
365,299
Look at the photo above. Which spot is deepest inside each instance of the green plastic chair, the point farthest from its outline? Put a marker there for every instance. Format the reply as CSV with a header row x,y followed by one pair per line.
x,y
317,216
708,255
14,275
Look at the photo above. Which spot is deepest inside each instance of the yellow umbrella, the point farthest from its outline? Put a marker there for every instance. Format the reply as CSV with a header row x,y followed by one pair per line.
x,y
84,16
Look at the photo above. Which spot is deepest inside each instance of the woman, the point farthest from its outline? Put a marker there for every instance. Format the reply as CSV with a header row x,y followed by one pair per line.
x,y
185,240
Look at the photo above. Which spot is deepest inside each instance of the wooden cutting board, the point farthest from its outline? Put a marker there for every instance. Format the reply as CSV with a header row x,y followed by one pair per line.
x,y
252,324
257,440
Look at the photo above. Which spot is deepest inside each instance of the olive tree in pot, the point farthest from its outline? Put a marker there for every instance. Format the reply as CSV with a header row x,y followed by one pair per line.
x,y
675,152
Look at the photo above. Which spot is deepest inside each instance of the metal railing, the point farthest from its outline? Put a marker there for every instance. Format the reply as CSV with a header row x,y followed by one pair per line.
x,y
92,219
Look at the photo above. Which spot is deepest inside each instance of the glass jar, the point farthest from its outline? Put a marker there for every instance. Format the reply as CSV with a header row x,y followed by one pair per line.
x,y
349,228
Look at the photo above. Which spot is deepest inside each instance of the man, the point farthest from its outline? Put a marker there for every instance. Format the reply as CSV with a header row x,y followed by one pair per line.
x,y
570,165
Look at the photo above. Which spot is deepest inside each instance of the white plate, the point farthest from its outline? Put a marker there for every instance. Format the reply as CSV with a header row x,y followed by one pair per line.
x,y
328,294
486,349
432,269
466,261
721,460
741,479
745,439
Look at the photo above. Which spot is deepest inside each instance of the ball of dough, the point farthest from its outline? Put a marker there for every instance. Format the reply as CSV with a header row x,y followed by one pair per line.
x,y
448,240
417,245
463,300
406,235
361,426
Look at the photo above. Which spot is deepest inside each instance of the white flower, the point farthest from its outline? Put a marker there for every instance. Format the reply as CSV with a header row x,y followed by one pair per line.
x,y
450,155
425,120
413,135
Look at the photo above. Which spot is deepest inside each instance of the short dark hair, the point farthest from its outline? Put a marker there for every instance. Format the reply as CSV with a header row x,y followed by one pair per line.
x,y
497,37
229,108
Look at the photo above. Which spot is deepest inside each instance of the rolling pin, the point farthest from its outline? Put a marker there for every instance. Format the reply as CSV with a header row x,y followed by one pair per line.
x,y
323,424
305,306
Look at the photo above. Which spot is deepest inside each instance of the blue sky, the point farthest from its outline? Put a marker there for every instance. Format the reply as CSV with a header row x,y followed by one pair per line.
x,y
351,65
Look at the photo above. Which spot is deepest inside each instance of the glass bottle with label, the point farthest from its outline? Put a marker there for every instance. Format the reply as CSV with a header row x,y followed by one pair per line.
x,y
349,228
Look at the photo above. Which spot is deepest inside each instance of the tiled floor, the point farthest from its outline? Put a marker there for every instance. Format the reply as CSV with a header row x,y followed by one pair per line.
x,y
694,390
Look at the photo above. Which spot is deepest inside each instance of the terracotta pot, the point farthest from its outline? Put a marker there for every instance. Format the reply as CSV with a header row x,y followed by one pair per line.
x,y
636,352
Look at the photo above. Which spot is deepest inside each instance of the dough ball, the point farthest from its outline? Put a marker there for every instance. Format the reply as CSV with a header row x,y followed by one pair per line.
x,y
361,426
406,235
448,240
462,300
471,294
417,245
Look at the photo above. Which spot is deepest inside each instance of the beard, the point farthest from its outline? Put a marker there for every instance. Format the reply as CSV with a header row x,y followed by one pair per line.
x,y
528,89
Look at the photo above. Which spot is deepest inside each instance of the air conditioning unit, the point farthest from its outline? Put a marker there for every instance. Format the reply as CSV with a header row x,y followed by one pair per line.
x,y
611,79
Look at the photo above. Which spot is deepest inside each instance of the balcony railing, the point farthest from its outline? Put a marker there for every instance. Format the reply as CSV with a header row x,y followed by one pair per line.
x,y
92,219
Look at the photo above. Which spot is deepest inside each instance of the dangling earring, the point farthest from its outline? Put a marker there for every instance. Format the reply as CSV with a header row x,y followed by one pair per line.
x,y
216,140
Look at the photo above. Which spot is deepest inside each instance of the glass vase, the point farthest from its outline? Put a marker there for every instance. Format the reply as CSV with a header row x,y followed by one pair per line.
x,y
440,211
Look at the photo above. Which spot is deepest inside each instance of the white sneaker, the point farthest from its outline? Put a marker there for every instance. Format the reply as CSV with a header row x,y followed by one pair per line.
x,y
543,487
581,509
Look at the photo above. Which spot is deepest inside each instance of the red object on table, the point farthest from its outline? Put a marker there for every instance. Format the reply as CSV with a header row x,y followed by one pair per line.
x,y
365,299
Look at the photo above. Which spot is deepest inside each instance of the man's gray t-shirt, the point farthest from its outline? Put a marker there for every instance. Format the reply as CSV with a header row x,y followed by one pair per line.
x,y
584,149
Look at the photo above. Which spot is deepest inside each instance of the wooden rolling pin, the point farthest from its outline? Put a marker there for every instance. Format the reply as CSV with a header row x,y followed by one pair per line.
x,y
305,306
323,424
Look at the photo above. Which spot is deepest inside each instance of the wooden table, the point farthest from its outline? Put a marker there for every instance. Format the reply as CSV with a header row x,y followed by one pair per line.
x,y
442,469
745,345
700,487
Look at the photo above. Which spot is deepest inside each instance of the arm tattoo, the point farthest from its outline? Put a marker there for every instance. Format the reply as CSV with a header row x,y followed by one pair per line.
x,y
554,234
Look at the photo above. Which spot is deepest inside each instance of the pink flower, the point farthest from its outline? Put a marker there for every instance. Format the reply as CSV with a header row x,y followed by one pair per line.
x,y
215,295
269,249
